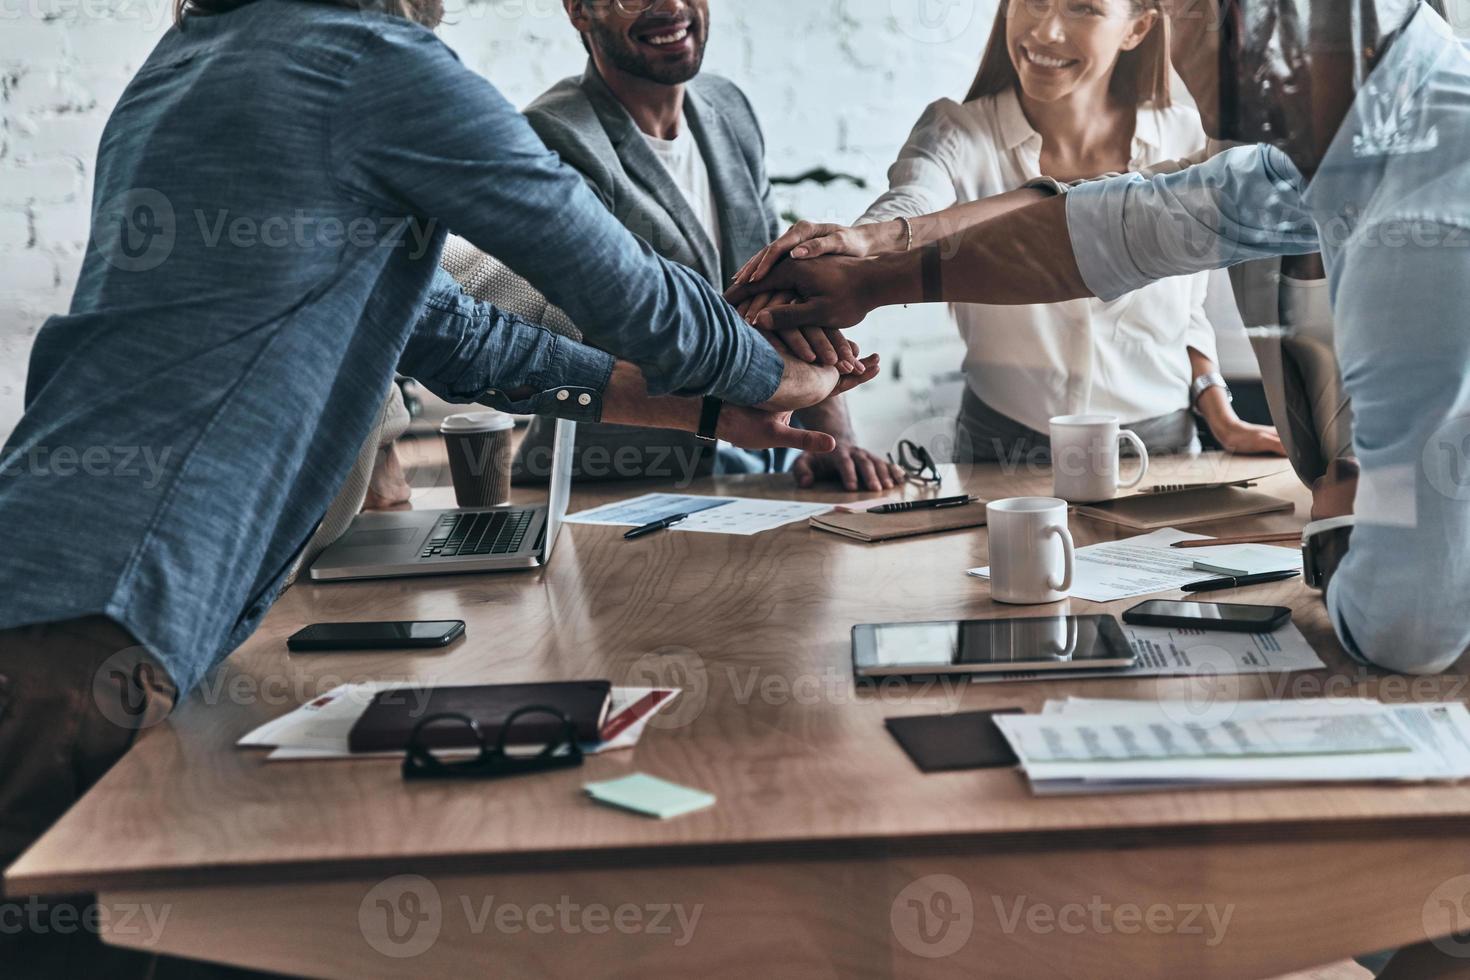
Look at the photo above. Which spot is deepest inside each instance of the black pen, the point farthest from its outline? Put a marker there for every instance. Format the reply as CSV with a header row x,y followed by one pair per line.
x,y
909,505
659,525
1215,584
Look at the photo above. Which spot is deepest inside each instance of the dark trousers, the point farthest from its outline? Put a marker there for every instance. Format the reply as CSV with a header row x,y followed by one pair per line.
x,y
74,696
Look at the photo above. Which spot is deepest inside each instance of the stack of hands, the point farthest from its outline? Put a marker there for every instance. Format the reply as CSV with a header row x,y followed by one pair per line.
x,y
802,305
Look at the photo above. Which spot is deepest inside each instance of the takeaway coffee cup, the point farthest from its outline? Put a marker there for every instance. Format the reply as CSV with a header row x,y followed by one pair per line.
x,y
479,457
1032,557
1084,458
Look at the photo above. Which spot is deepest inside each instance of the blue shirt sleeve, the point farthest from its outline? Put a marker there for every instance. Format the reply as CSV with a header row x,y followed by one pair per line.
x,y
1398,598
468,351
417,132
1242,204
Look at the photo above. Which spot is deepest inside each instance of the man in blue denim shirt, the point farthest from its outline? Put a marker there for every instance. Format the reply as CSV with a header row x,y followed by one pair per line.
x,y
272,194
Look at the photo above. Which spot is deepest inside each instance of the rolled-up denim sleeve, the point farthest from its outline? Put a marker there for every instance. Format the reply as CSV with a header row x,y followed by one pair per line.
x,y
1242,204
466,351
417,132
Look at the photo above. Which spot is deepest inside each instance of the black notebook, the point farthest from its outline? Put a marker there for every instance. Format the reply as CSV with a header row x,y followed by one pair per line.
x,y
939,743
391,716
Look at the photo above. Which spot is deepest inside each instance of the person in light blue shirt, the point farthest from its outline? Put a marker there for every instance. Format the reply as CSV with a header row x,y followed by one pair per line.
x,y
1375,174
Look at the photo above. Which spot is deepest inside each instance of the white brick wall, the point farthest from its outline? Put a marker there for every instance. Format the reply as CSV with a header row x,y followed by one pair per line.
x,y
838,83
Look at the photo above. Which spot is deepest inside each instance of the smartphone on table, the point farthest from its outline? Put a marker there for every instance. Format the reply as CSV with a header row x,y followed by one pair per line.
x,y
1226,616
327,637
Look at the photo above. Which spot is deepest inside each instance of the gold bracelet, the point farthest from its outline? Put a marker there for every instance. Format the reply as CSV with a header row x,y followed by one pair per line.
x,y
908,232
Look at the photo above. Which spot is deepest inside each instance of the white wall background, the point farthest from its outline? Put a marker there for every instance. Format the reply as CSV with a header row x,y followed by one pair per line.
x,y
837,84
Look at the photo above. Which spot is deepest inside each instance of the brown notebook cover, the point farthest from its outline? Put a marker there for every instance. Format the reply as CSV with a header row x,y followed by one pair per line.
x,y
391,716
1149,512
886,527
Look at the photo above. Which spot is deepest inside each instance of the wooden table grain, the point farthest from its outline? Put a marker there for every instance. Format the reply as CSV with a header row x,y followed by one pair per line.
x,y
827,854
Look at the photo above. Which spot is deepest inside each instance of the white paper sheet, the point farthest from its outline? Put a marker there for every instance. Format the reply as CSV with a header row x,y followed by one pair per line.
x,y
712,515
1146,564
1164,651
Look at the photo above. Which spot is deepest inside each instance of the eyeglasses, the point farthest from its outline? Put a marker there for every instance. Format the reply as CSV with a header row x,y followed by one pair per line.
x,y
917,465
630,7
456,731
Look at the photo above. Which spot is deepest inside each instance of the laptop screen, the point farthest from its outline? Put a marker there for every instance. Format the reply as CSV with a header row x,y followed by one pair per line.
x,y
561,482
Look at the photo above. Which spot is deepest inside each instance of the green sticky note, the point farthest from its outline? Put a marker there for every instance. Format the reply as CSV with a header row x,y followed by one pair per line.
x,y
650,795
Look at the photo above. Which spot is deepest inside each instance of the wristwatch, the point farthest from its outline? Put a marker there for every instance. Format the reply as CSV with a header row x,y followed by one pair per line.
x,y
709,419
1204,383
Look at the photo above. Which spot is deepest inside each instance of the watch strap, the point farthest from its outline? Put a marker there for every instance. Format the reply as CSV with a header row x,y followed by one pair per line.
x,y
709,419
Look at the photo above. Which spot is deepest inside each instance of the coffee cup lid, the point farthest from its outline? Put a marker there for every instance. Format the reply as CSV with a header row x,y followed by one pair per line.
x,y
472,422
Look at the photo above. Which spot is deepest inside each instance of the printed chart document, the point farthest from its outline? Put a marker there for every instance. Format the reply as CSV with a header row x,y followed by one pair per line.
x,y
1146,564
712,515
1082,746
1167,651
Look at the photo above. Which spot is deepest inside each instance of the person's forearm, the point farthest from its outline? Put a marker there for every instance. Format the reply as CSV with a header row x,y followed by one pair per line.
x,y
891,236
1019,257
831,417
626,401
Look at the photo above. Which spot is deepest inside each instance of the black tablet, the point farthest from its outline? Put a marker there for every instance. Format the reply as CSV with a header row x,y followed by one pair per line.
x,y
987,646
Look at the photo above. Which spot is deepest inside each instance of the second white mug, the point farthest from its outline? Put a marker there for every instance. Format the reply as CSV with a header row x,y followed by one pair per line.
x,y
1084,457
1026,564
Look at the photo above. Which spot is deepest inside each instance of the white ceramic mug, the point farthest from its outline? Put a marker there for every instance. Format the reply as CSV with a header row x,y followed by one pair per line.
x,y
1084,457
1026,565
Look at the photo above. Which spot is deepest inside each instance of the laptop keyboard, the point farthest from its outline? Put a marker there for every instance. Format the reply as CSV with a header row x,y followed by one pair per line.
x,y
487,533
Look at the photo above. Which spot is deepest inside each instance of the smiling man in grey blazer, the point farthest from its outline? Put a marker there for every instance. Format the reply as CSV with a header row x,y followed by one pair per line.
x,y
679,158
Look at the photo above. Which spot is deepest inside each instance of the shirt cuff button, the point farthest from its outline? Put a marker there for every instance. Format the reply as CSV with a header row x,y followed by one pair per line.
x,y
563,395
584,400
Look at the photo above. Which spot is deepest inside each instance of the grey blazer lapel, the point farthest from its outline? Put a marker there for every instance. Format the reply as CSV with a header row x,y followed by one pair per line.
x,y
742,218
644,166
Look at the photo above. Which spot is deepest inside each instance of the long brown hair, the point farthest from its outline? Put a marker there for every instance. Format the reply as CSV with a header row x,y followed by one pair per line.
x,y
1140,76
426,12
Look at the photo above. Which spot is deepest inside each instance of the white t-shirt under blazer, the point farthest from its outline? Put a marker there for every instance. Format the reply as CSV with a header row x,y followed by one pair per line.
x,y
1127,358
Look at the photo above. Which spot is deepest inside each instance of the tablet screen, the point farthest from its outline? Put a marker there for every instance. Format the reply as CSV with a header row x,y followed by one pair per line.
x,y
1053,642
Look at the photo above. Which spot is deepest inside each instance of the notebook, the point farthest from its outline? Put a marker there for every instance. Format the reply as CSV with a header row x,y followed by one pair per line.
x,y
391,716
886,527
1151,511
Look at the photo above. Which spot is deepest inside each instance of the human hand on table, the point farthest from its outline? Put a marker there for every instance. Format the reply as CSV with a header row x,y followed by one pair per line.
x,y
851,465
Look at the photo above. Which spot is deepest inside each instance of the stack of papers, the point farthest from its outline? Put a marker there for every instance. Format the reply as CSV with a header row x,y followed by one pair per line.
x,y
712,515
1100,746
319,728
1146,564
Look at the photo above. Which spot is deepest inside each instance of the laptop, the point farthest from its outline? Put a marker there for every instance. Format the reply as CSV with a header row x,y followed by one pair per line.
x,y
398,544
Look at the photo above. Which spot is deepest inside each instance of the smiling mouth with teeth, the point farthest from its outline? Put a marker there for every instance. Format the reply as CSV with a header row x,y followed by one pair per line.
x,y
672,37
1042,61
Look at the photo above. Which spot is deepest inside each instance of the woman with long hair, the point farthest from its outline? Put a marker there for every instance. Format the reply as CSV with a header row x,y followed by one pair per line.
x,y
1066,89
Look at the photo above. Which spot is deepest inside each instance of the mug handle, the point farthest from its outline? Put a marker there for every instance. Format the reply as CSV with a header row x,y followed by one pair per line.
x,y
1069,556
1129,436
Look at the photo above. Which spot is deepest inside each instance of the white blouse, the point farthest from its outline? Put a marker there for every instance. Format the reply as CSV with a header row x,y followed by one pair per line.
x,y
1127,358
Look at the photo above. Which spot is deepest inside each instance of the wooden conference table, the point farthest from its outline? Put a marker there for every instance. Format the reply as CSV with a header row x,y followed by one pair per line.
x,y
828,853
